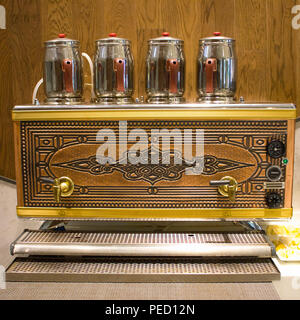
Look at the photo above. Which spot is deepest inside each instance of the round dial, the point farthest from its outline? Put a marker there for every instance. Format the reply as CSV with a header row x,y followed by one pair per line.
x,y
274,173
273,200
276,149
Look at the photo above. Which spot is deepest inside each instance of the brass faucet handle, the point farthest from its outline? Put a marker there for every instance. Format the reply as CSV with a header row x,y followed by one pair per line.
x,y
56,190
47,180
227,187
218,183
62,187
231,192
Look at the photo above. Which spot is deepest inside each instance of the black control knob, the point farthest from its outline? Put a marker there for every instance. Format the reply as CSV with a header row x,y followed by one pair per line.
x,y
276,149
274,173
273,200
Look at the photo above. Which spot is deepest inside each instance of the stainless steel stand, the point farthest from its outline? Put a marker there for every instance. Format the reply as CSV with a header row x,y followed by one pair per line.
x,y
78,251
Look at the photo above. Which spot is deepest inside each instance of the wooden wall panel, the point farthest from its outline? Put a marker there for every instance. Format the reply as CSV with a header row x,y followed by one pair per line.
x,y
216,15
57,17
268,48
26,54
251,47
281,54
6,138
296,67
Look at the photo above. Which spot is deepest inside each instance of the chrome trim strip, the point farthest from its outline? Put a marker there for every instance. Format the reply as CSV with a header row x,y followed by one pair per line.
x,y
148,250
181,106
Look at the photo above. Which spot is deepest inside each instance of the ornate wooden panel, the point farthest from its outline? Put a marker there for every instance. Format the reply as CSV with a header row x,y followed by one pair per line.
x,y
51,149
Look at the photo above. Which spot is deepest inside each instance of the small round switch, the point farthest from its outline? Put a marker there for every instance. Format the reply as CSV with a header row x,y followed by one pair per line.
x,y
274,173
276,149
273,200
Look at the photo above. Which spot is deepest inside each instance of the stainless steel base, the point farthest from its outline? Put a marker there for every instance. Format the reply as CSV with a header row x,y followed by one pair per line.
x,y
113,100
134,244
216,99
162,100
62,101
41,269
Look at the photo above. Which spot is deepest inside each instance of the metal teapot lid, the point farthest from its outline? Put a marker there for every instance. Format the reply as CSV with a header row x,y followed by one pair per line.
x,y
113,39
62,41
165,39
217,38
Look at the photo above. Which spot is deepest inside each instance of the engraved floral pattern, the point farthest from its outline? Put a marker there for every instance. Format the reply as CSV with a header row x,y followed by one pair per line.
x,y
152,173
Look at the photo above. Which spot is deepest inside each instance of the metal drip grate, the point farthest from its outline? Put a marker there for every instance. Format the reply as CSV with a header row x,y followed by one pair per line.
x,y
142,270
141,244
139,238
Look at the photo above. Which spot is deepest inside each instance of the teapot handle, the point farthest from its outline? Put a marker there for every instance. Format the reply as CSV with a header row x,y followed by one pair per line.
x,y
35,91
119,68
173,69
67,68
85,55
210,68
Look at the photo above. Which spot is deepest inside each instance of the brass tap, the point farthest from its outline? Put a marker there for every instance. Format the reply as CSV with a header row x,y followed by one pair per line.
x,y
227,187
62,187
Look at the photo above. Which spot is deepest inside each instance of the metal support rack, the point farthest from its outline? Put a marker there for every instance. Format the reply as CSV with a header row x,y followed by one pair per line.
x,y
99,256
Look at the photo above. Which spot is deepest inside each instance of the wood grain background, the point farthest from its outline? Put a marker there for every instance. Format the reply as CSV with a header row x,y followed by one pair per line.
x,y
268,48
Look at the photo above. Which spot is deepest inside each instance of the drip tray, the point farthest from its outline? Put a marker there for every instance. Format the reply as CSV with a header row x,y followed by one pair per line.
x,y
204,244
50,269
71,256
